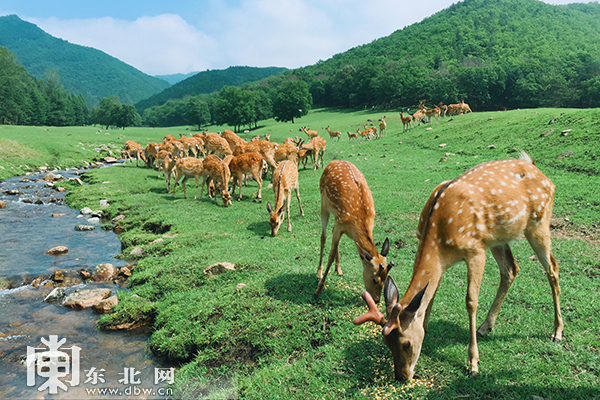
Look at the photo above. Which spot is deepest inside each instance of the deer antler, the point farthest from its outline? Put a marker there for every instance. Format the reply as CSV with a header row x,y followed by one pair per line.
x,y
373,314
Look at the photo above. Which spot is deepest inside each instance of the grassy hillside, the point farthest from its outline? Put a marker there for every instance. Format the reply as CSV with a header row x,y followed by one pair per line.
x,y
84,70
208,82
271,338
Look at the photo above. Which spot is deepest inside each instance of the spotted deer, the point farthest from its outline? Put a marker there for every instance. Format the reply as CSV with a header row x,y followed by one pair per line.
x,y
131,147
406,121
188,167
247,163
382,127
151,154
317,146
488,206
309,133
352,136
217,171
233,140
346,194
263,147
165,163
213,143
285,179
333,134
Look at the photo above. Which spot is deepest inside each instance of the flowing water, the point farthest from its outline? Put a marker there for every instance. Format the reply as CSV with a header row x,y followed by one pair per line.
x,y
117,363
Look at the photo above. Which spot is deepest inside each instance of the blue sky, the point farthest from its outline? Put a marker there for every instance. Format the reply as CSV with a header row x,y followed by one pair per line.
x,y
161,37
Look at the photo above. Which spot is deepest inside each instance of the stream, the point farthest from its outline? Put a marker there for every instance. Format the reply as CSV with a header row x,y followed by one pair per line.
x,y
66,353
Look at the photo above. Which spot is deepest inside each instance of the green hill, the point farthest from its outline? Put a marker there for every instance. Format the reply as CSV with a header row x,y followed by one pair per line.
x,y
495,54
84,70
208,82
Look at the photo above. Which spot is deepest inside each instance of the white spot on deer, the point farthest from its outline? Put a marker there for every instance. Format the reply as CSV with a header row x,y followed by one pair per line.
x,y
450,220
493,191
462,228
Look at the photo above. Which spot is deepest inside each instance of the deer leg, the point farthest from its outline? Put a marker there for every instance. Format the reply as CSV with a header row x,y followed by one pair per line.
x,y
335,241
540,242
259,181
196,192
298,196
175,184
508,271
428,313
324,222
185,178
475,267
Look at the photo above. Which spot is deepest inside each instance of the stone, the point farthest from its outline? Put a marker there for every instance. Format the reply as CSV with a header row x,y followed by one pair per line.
x,y
57,215
4,283
118,218
105,306
57,276
86,298
124,271
86,210
137,251
110,160
104,272
103,203
97,214
240,286
93,220
55,295
81,227
2,204
218,268
85,274
58,251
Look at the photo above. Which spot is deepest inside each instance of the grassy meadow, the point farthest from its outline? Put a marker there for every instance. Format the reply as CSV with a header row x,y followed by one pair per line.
x,y
270,338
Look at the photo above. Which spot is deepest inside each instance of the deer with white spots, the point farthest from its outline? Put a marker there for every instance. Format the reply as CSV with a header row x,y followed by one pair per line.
x,y
346,194
486,207
285,179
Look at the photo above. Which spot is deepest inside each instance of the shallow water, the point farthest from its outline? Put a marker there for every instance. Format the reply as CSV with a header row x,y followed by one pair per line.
x,y
27,231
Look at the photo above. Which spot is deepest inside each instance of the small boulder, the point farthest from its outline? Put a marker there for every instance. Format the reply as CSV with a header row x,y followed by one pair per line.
x,y
137,251
218,268
81,227
2,204
124,271
57,276
104,272
105,306
110,160
55,295
86,210
82,299
58,251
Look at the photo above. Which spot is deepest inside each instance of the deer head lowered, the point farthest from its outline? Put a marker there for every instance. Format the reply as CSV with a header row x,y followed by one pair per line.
x,y
485,207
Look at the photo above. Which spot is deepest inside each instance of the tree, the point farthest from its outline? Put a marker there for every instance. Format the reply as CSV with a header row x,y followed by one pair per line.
x,y
198,112
292,100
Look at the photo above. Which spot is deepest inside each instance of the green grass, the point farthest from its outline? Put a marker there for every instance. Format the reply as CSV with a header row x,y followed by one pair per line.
x,y
272,339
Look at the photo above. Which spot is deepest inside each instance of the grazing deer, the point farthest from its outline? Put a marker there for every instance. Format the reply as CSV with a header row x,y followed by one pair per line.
x,y
233,140
382,126
215,143
188,167
352,136
130,147
263,147
285,179
247,163
310,134
486,207
405,122
165,163
332,134
303,156
464,107
346,194
287,151
217,171
317,147
151,153
191,147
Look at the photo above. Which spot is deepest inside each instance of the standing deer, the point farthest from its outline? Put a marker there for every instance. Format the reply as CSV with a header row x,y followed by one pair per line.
x,y
188,167
217,171
486,207
346,194
405,122
317,147
247,163
285,179
130,147
382,127
310,134
332,134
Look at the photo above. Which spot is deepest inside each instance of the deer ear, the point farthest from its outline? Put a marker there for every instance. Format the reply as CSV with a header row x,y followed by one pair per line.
x,y
269,207
390,292
385,248
416,301
364,254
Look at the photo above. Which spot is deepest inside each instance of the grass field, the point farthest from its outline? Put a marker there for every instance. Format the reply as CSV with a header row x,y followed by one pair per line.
x,y
272,339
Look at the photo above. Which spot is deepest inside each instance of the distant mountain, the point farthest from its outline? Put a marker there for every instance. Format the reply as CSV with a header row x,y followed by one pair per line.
x,y
175,78
84,70
208,82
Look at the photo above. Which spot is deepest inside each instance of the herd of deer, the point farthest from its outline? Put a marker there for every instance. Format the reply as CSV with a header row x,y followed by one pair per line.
x,y
442,110
488,206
